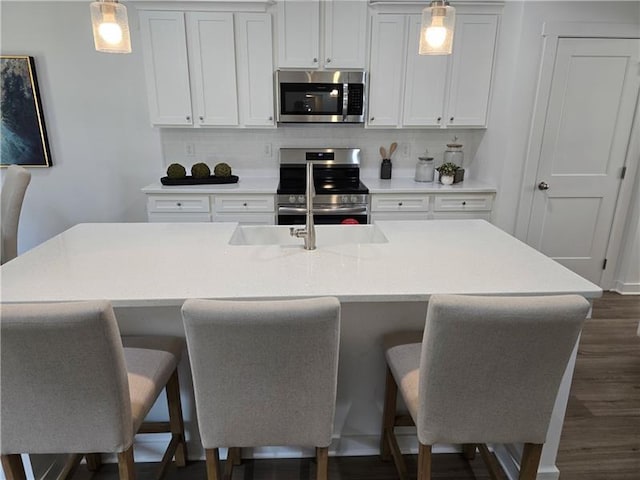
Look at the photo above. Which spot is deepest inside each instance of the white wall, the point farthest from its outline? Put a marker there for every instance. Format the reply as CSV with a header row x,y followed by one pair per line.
x,y
104,149
102,145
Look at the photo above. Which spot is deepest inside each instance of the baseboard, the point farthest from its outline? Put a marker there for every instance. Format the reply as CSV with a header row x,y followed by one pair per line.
x,y
626,288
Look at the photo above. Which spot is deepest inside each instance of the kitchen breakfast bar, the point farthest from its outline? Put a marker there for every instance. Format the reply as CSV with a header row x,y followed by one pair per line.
x,y
383,275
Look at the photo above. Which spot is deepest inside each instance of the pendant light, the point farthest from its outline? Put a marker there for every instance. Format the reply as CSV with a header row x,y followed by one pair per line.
x,y
436,31
110,27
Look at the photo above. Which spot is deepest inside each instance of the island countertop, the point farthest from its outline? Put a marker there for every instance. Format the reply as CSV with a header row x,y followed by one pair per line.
x,y
162,264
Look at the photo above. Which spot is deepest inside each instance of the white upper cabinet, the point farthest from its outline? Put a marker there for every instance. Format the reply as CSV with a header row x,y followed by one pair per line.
x,y
330,34
255,69
386,70
166,67
471,72
208,69
434,91
213,67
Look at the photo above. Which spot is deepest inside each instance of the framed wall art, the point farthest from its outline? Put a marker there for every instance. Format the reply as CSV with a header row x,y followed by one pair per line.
x,y
23,138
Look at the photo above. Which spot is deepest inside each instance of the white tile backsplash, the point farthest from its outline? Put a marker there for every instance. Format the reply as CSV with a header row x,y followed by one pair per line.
x,y
246,150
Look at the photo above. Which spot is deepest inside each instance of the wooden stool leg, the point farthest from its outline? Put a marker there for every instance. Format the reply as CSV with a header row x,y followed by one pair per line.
x,y
469,451
322,461
424,462
13,467
237,456
94,461
388,415
213,464
530,461
126,466
175,418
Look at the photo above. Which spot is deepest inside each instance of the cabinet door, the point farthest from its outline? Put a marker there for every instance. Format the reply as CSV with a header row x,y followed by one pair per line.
x,y
255,69
386,71
298,33
166,67
213,66
473,51
425,83
345,33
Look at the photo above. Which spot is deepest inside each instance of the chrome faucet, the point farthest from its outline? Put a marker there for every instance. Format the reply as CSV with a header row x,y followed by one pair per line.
x,y
309,232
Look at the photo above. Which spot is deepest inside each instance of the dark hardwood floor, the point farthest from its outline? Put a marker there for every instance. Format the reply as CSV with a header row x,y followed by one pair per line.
x,y
600,440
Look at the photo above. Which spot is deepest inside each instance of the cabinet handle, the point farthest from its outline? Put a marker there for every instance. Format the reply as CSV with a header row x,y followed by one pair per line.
x,y
451,119
244,204
315,60
188,118
399,204
178,204
201,118
464,203
372,119
438,119
270,119
328,60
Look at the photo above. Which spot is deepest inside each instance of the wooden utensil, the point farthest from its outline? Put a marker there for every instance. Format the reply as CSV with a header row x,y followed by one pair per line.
x,y
383,152
392,149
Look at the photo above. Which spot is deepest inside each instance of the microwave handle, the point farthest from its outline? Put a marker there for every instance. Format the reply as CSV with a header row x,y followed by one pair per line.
x,y
345,101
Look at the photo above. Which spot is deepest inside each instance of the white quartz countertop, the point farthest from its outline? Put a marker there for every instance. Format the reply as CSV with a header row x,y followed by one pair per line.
x,y
140,264
409,185
243,186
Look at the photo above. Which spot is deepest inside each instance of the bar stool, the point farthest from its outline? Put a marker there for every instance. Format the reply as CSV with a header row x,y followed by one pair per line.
x,y
14,187
487,370
69,386
264,374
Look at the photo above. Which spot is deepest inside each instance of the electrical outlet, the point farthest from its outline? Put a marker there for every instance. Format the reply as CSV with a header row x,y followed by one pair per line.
x,y
190,149
406,149
268,150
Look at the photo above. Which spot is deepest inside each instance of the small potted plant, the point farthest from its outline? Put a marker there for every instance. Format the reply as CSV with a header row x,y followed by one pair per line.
x,y
447,172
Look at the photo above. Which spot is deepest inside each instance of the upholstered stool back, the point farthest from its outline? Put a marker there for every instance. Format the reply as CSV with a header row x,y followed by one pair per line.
x,y
59,363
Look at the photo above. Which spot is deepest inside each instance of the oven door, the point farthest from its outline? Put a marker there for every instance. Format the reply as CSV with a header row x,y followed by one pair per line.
x,y
323,216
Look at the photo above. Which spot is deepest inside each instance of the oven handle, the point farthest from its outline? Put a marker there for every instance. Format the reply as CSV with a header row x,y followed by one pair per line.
x,y
325,211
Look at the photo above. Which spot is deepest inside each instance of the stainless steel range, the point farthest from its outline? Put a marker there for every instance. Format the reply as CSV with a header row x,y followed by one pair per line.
x,y
340,195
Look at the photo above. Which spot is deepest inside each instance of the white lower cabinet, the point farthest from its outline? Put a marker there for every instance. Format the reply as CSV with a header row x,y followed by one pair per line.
x,y
241,208
416,206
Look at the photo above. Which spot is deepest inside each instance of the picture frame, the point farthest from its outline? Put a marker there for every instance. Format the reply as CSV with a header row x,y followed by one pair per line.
x,y
23,139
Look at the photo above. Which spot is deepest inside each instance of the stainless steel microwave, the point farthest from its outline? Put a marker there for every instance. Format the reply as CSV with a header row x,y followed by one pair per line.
x,y
320,97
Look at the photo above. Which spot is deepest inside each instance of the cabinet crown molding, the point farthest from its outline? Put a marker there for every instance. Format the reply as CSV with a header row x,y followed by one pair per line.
x,y
416,6
204,5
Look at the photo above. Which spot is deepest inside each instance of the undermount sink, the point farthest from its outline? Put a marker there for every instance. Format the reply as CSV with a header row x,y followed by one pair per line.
x,y
326,235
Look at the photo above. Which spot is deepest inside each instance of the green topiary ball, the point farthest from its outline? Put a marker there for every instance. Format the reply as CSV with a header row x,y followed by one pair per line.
x,y
200,170
175,170
222,170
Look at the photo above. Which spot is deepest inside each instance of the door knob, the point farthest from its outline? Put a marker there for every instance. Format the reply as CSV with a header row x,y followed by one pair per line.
x,y
543,186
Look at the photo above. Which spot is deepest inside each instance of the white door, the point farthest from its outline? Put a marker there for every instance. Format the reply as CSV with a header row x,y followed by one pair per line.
x,y
588,123
345,33
213,65
255,69
298,33
386,71
425,83
471,70
166,67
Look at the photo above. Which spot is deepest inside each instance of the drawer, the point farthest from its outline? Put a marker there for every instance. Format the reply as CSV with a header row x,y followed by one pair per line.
x,y
462,203
244,203
399,203
178,203
179,217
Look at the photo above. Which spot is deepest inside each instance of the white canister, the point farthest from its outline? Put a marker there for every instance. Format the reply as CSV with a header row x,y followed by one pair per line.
x,y
424,169
454,153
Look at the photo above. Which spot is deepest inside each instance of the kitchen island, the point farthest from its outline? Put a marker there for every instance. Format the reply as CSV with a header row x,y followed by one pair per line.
x,y
148,270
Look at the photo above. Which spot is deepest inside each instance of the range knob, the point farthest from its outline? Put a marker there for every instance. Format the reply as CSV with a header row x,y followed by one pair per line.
x,y
345,199
292,199
354,199
300,198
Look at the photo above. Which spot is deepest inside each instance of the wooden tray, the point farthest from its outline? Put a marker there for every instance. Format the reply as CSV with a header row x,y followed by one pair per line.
x,y
199,181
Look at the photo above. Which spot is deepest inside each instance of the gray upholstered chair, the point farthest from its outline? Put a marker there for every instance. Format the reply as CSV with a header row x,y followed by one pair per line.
x,y
487,370
264,373
13,189
69,386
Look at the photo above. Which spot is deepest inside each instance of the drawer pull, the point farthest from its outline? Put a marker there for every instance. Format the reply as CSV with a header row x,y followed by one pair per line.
x,y
244,204
464,203
178,204
399,204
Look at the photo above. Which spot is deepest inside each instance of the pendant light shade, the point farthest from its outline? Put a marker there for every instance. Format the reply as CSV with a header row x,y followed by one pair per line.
x,y
436,31
110,27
